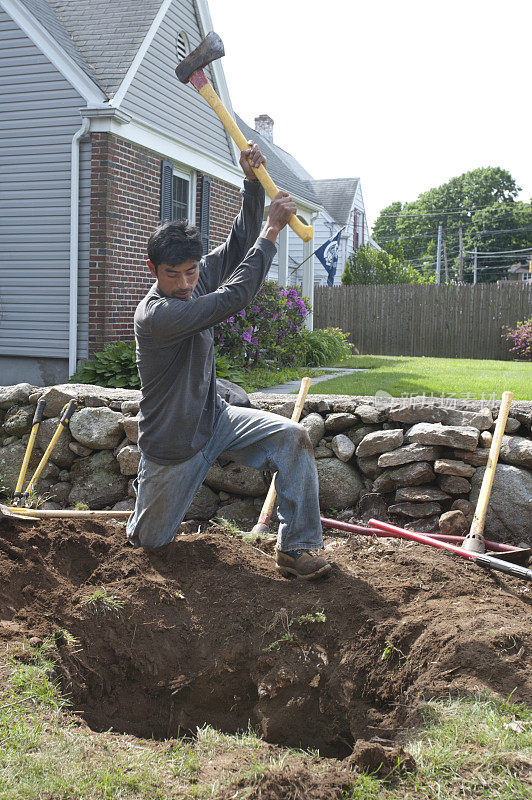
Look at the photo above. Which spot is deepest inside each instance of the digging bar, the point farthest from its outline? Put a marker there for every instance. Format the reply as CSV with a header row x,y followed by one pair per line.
x,y
349,527
13,513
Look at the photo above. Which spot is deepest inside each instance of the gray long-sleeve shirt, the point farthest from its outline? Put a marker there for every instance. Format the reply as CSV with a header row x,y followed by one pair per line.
x,y
174,339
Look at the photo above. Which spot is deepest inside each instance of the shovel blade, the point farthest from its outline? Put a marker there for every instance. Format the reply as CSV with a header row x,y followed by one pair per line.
x,y
6,513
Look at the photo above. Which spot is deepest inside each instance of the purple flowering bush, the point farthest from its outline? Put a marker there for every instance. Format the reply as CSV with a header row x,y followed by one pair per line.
x,y
267,330
521,339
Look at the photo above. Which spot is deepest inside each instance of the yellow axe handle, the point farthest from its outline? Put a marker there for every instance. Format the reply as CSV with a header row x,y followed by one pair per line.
x,y
305,232
267,507
477,526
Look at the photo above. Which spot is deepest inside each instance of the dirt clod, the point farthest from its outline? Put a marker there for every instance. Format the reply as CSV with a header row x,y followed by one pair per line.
x,y
383,761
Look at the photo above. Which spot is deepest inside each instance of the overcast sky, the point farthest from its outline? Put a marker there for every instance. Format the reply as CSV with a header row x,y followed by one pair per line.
x,y
405,95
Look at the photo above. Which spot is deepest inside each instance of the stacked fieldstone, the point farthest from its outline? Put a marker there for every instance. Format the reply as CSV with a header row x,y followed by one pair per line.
x,y
415,462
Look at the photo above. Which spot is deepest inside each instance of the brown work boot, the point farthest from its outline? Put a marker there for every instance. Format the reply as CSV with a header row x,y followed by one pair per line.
x,y
306,564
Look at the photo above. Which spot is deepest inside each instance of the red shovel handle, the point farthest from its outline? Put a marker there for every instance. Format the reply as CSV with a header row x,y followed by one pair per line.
x,y
485,561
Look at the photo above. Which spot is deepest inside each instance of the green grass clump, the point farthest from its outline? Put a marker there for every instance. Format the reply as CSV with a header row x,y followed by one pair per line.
x,y
102,602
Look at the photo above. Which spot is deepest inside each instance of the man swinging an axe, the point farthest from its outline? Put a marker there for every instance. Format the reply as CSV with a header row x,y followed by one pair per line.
x,y
184,424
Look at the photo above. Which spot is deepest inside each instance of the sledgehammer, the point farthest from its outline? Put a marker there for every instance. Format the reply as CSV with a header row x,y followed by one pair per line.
x,y
190,70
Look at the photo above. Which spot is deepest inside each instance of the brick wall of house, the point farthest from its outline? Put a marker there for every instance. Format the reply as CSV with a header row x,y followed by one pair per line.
x,y
125,209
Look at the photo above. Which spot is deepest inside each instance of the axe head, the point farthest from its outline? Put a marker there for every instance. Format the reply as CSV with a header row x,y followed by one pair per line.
x,y
208,50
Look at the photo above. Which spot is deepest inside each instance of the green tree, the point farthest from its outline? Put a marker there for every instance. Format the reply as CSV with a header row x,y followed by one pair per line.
x,y
386,226
515,219
456,204
368,266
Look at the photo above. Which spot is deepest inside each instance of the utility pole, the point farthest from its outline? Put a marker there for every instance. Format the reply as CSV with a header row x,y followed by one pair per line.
x,y
461,265
475,267
438,257
445,261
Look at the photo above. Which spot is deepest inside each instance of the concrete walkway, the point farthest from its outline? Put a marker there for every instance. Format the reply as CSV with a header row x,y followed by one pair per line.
x,y
292,387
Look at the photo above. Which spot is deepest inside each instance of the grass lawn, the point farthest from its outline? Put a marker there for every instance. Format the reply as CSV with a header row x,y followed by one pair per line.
x,y
442,377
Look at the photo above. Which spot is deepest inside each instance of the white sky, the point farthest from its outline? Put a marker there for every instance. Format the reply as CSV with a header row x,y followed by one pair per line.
x,y
405,95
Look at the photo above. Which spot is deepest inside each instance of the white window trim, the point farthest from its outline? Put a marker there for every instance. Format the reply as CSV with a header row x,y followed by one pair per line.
x,y
181,171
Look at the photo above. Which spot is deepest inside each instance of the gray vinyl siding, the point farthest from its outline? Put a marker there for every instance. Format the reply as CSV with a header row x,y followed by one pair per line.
x,y
156,95
39,114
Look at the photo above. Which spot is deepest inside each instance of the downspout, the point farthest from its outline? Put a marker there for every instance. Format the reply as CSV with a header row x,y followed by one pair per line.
x,y
74,247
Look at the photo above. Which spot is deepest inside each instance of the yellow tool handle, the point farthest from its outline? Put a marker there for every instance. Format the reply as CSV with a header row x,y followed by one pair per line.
x,y
67,412
267,507
37,418
67,514
477,526
26,461
44,459
305,232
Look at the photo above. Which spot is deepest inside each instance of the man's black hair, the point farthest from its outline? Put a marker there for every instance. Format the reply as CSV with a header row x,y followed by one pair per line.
x,y
173,243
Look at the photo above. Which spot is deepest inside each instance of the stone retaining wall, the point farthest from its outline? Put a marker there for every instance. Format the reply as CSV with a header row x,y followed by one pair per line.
x,y
417,462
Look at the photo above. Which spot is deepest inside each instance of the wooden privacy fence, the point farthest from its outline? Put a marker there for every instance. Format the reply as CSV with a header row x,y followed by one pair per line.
x,y
405,320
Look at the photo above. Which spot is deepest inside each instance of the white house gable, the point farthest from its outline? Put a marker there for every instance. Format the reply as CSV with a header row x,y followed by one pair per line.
x,y
157,97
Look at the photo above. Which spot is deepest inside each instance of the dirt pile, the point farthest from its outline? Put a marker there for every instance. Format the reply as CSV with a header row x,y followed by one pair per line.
x,y
205,631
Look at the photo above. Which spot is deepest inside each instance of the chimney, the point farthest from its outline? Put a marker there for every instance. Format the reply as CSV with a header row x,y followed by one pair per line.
x,y
264,126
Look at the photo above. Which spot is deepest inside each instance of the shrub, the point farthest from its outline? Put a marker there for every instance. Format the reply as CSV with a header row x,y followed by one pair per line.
x,y
323,347
268,329
367,266
521,338
225,369
113,366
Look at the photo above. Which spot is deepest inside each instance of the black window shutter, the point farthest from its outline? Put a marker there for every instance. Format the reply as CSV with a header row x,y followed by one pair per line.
x,y
205,212
166,190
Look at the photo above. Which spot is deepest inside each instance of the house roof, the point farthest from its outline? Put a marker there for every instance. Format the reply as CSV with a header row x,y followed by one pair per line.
x,y
281,166
101,36
336,195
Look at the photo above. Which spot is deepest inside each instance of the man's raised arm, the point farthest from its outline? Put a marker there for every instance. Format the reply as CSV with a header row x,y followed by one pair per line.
x,y
222,261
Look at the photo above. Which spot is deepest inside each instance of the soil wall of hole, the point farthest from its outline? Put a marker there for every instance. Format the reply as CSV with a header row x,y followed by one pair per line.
x,y
206,631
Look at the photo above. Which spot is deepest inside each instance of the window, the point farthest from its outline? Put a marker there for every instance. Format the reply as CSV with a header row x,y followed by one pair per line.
x,y
179,197
175,193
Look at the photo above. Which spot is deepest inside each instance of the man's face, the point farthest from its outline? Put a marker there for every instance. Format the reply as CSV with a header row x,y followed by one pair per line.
x,y
178,281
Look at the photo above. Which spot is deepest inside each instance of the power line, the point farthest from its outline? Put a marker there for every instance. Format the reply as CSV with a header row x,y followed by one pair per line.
x,y
494,205
502,252
432,235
